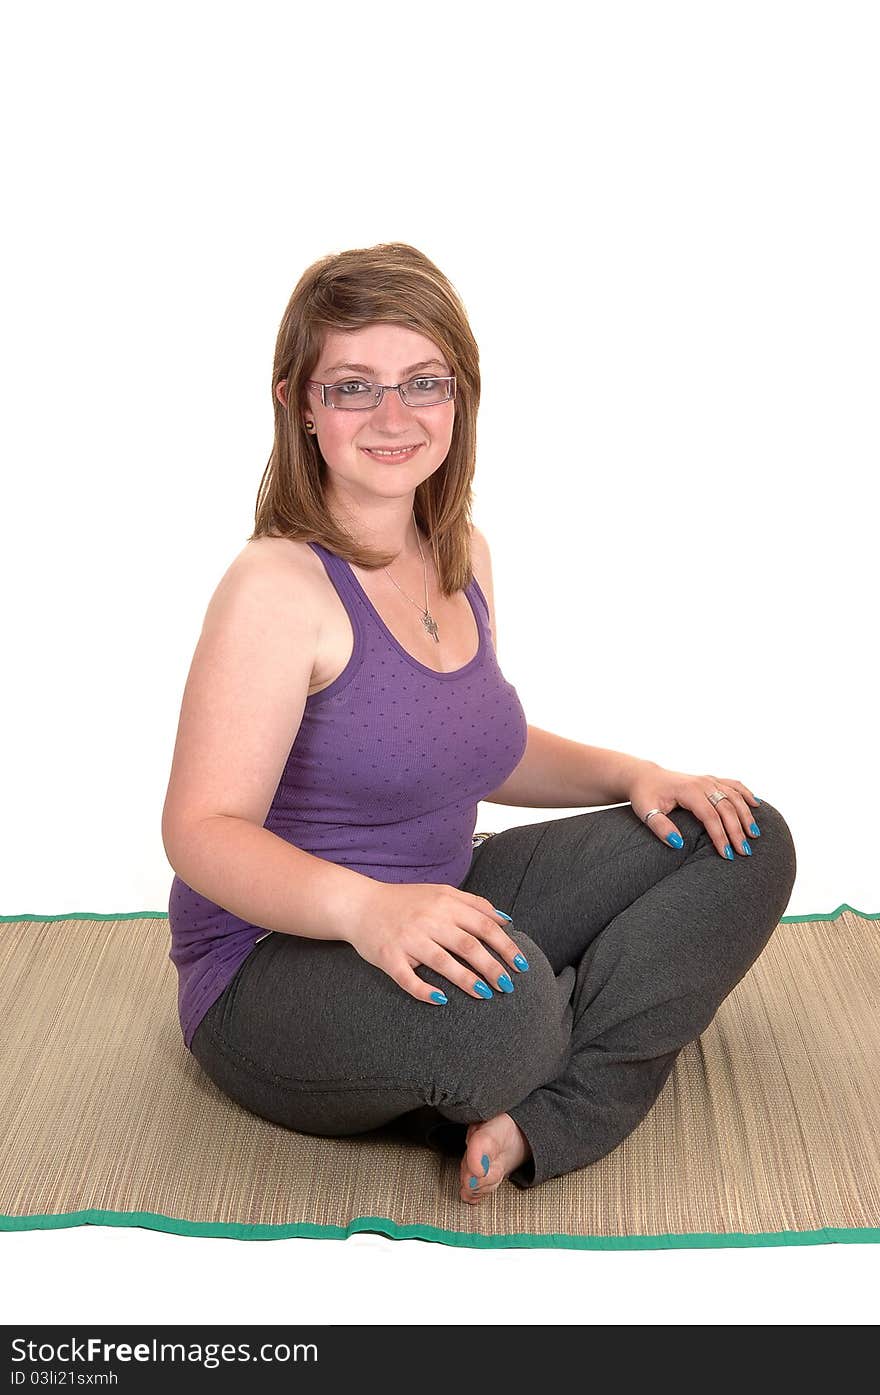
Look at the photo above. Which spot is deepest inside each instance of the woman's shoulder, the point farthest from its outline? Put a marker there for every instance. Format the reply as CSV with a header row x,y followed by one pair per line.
x,y
290,561
282,554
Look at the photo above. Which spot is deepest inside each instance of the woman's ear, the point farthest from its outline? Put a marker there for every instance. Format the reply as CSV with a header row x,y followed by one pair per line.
x,y
281,392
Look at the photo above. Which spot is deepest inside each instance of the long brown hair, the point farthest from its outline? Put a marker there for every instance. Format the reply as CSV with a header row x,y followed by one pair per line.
x,y
391,283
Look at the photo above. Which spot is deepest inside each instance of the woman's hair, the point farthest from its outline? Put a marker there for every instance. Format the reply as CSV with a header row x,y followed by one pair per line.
x,y
391,283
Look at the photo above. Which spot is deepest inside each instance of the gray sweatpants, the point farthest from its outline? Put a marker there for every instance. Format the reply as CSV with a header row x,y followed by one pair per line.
x,y
632,946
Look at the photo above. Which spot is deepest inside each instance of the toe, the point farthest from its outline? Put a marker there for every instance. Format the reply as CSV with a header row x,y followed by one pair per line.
x,y
478,1153
481,1169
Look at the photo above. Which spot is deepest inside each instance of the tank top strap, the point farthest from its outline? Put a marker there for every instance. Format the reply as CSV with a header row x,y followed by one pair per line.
x,y
339,573
476,590
346,589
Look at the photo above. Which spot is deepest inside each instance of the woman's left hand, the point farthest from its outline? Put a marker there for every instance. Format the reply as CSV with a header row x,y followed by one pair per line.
x,y
729,821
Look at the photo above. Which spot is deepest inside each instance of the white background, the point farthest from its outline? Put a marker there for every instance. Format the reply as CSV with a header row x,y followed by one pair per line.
x,y
663,221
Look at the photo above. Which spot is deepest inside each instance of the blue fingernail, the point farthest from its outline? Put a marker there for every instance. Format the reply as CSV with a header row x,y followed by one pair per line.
x,y
505,984
483,989
675,839
754,830
437,997
485,1162
757,800
520,961
728,850
504,913
746,849
473,1182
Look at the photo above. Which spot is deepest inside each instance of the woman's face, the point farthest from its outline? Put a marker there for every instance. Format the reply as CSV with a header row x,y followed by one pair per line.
x,y
381,353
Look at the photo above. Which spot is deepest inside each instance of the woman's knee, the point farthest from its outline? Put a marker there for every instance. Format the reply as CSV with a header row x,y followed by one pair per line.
x,y
524,1036
777,845
774,845
774,866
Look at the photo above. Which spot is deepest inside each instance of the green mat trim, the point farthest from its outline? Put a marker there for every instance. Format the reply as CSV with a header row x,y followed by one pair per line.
x,y
380,1225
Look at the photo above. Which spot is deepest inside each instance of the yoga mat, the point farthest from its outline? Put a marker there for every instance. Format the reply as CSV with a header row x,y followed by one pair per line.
x,y
767,1131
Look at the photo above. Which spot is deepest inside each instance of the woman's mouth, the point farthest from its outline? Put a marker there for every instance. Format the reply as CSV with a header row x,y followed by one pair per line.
x,y
406,454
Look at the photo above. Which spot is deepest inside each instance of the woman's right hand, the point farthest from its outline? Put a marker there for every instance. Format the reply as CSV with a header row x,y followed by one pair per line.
x,y
400,925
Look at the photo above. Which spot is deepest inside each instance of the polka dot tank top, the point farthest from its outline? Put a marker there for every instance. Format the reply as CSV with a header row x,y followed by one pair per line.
x,y
384,777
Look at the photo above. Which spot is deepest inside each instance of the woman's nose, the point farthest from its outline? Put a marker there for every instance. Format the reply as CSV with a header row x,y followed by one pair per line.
x,y
391,411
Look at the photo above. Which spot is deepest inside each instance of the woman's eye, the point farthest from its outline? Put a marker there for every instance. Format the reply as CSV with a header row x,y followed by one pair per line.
x,y
354,383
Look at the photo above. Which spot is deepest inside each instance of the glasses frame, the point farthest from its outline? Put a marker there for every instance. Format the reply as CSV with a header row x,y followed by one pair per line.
x,y
386,387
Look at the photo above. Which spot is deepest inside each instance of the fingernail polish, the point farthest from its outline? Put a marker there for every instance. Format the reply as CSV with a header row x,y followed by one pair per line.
x,y
754,830
520,961
504,913
675,839
437,997
728,850
483,989
505,984
485,1163
472,1182
746,849
757,800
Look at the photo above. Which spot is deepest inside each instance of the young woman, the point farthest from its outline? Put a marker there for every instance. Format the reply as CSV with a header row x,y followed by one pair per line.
x,y
349,954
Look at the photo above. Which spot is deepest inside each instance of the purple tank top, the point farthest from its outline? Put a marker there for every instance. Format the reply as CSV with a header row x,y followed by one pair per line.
x,y
384,776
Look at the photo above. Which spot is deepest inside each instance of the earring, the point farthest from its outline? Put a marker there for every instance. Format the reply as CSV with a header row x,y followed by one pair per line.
x,y
310,426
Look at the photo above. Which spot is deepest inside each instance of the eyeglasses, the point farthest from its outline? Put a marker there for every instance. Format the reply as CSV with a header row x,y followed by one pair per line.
x,y
357,395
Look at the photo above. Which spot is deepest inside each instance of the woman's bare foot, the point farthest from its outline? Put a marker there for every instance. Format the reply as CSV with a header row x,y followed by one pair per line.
x,y
501,1143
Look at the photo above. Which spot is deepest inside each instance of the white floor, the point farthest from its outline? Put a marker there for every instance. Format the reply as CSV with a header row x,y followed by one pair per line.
x,y
139,1276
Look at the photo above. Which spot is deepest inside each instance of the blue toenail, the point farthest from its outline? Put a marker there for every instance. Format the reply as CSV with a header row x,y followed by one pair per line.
x,y
473,1182
485,1161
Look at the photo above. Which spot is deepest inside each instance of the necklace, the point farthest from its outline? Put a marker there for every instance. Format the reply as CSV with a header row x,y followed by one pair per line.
x,y
428,620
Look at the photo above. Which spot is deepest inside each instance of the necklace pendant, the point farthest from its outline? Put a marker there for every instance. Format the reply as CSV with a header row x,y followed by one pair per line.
x,y
430,625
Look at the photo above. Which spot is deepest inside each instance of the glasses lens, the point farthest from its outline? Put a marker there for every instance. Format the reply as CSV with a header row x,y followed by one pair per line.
x,y
357,393
426,391
354,393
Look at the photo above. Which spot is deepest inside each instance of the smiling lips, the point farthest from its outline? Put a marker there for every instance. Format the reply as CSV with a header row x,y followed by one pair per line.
x,y
382,454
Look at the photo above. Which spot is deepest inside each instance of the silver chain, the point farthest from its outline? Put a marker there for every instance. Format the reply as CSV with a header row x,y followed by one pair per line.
x,y
428,620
